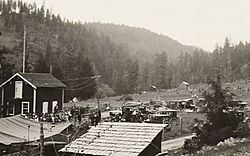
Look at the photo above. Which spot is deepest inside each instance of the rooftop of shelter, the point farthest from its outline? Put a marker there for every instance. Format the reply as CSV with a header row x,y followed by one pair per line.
x,y
39,80
115,138
15,129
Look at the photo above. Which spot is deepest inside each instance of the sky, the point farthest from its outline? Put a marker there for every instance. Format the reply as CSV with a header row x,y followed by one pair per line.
x,y
201,23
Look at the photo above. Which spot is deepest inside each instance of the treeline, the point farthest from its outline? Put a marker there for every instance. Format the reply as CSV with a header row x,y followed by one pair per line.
x,y
77,54
232,61
165,74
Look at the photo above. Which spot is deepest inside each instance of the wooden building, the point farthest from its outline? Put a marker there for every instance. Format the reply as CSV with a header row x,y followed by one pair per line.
x,y
31,93
183,86
118,139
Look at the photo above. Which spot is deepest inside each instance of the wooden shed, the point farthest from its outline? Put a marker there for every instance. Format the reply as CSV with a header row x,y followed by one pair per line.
x,y
37,93
183,86
118,139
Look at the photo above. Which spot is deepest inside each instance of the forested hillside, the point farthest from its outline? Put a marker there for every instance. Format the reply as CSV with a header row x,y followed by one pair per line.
x,y
142,43
71,49
128,59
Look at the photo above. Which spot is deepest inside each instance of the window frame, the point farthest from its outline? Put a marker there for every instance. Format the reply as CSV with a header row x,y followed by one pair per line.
x,y
19,91
25,102
47,110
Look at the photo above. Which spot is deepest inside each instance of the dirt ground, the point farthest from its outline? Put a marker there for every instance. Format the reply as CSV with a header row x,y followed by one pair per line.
x,y
240,88
115,102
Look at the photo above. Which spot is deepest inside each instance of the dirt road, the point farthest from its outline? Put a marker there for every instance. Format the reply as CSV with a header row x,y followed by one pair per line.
x,y
174,143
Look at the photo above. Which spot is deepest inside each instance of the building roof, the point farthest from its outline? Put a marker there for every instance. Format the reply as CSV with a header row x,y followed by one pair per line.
x,y
114,138
38,80
184,82
15,129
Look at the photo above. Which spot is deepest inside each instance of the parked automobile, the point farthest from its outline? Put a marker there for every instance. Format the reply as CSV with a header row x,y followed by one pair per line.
x,y
115,115
167,116
133,111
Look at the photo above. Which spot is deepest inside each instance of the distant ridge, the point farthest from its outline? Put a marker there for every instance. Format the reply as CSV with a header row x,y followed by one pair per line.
x,y
142,43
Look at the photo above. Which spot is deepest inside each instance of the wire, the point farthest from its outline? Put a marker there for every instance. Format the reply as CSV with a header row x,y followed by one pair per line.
x,y
81,85
155,146
79,78
73,137
80,88
54,146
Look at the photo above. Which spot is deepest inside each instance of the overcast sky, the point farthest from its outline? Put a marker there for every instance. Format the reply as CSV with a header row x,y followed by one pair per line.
x,y
201,23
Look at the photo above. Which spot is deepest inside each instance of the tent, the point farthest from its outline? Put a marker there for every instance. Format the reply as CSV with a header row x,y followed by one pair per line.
x,y
17,129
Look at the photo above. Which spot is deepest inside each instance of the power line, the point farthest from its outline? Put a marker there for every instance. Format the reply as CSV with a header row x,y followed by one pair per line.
x,y
82,84
80,88
78,78
72,79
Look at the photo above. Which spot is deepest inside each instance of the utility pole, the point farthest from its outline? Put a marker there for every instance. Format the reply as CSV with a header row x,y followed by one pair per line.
x,y
24,44
181,125
41,140
97,77
28,150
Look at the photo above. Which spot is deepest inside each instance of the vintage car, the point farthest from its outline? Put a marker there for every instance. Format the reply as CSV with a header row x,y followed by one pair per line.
x,y
133,111
156,104
167,116
115,115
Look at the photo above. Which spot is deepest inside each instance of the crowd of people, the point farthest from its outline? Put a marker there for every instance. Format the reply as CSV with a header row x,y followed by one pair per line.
x,y
55,117
75,115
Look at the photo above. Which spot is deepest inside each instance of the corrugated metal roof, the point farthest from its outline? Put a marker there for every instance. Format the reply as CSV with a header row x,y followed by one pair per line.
x,y
115,139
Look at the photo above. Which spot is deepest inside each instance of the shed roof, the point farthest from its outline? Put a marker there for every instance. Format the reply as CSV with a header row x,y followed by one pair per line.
x,y
14,129
38,80
184,82
115,139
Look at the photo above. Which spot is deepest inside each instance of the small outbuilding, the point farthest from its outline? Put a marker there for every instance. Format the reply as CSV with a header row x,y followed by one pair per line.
x,y
183,86
118,139
37,93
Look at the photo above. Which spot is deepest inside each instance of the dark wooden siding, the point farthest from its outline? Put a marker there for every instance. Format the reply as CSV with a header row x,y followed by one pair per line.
x,y
154,147
48,95
9,96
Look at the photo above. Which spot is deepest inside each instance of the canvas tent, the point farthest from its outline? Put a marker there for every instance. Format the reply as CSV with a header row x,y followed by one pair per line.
x,y
15,130
118,139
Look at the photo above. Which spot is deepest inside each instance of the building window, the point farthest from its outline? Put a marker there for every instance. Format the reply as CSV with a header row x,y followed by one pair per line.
x,y
45,107
25,107
18,89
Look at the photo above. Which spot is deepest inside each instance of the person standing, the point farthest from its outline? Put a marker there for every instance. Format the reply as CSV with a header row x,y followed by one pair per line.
x,y
91,119
99,115
56,108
